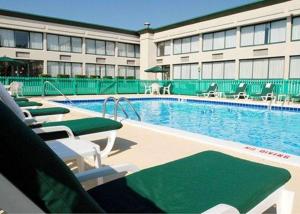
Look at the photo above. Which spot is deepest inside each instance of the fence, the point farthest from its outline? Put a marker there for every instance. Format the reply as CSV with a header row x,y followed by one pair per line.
x,y
33,86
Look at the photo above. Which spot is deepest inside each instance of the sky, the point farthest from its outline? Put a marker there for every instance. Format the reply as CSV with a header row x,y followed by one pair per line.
x,y
127,14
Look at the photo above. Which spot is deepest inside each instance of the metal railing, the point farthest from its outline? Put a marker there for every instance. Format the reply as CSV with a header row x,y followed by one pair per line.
x,y
53,86
117,104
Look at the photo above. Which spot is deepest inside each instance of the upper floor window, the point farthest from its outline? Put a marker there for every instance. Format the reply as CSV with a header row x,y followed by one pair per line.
x,y
64,43
21,39
186,71
219,40
164,48
218,70
100,47
265,68
128,50
266,33
186,45
296,28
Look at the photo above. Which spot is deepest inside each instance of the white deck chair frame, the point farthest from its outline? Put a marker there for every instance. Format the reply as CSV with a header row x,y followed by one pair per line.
x,y
166,90
147,88
14,200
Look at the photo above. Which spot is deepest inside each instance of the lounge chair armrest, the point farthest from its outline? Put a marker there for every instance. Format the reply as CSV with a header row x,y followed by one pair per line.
x,y
29,121
222,209
26,113
50,129
105,171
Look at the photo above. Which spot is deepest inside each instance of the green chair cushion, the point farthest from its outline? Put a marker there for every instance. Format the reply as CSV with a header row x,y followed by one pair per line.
x,y
28,104
28,163
87,125
48,111
192,185
21,99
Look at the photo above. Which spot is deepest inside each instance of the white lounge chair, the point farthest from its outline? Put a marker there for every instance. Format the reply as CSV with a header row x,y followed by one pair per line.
x,y
94,128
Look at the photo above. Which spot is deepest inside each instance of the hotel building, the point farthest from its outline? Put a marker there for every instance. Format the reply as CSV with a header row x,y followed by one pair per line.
x,y
260,40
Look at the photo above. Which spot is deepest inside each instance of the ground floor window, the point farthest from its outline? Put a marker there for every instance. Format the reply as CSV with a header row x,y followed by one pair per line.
x,y
100,70
70,69
295,67
129,72
266,68
28,68
218,70
186,71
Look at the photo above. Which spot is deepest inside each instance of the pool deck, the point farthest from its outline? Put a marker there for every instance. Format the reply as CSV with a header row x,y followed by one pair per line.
x,y
146,147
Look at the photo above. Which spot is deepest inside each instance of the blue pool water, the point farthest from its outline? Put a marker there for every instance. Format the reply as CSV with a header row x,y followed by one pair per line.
x,y
277,130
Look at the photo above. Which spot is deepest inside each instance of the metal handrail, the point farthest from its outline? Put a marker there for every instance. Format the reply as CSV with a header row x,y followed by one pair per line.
x,y
53,86
115,101
129,103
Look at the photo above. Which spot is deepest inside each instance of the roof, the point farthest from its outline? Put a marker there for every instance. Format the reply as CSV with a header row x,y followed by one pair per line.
x,y
239,9
65,21
242,8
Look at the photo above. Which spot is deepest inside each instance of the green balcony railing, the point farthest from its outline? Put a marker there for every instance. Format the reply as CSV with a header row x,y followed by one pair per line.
x,y
33,86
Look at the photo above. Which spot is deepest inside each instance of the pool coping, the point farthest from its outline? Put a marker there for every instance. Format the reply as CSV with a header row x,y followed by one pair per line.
x,y
266,154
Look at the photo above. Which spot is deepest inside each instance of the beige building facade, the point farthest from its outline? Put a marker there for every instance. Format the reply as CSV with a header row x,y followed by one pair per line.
x,y
260,40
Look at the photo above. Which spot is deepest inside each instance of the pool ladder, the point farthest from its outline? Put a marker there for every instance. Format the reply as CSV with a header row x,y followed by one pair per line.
x,y
53,86
117,104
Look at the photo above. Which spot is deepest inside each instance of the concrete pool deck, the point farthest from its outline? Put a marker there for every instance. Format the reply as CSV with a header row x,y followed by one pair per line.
x,y
149,147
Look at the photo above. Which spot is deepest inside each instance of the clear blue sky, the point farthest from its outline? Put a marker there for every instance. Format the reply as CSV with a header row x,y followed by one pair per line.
x,y
128,14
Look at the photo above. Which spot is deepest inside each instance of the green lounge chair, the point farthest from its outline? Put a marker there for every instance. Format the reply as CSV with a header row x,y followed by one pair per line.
x,y
33,180
210,92
266,93
28,104
240,92
295,97
21,99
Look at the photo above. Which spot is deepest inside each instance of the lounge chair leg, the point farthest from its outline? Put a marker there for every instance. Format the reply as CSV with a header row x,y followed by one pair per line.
x,y
285,202
110,143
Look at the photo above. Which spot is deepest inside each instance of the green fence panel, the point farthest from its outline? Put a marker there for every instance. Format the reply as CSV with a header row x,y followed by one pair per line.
x,y
87,86
34,86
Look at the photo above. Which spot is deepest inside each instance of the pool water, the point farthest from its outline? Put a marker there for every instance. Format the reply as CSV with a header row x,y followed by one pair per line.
x,y
276,130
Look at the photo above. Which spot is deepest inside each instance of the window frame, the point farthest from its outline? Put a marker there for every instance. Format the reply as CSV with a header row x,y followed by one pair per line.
x,y
264,58
290,57
29,42
213,38
134,49
64,65
126,67
223,72
180,39
190,70
291,39
164,42
71,43
268,33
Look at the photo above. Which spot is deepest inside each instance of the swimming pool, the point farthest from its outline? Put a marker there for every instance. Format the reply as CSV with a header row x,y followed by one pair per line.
x,y
248,124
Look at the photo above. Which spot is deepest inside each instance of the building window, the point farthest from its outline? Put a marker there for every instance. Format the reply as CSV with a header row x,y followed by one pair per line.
x,y
100,70
64,43
128,50
129,72
266,33
186,45
66,68
21,39
266,68
219,40
294,67
164,48
296,29
100,47
218,70
186,71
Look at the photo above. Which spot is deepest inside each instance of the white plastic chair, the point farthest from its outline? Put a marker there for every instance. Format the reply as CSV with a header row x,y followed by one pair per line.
x,y
147,88
166,90
155,88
